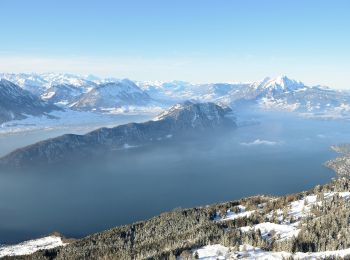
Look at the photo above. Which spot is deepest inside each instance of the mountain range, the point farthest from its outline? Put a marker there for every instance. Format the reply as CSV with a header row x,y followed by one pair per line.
x,y
110,95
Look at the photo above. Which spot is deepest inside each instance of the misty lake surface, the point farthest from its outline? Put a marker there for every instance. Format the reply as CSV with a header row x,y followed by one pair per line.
x,y
282,154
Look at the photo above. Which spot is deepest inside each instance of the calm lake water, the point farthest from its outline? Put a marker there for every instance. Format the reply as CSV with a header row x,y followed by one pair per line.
x,y
281,155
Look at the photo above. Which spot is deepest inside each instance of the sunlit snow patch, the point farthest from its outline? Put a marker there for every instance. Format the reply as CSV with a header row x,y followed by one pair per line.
x,y
232,215
31,246
214,252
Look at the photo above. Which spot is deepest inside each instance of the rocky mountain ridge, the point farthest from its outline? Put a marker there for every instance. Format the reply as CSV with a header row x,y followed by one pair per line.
x,y
180,120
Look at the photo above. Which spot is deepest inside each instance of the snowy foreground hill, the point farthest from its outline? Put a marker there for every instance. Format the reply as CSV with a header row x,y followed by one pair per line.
x,y
116,96
31,246
309,225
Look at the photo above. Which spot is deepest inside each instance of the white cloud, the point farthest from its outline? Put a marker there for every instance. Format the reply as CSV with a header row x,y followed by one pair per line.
x,y
260,142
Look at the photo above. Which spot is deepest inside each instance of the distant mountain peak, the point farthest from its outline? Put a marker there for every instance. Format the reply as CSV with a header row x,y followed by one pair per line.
x,y
113,94
281,83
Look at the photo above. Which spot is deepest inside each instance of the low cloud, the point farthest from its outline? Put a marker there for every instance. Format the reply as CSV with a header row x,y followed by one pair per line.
x,y
261,142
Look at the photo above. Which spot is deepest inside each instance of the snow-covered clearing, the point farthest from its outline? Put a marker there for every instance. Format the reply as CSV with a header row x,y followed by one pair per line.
x,y
232,215
213,252
31,246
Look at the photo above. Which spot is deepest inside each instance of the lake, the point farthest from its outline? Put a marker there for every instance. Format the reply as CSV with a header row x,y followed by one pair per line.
x,y
282,154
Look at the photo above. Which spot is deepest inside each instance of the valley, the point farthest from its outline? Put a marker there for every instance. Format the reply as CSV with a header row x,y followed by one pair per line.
x,y
102,164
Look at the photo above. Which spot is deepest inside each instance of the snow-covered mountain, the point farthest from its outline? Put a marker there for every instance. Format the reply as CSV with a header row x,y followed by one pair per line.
x,y
177,91
280,84
31,82
280,93
17,103
304,99
39,83
63,94
200,115
219,91
113,95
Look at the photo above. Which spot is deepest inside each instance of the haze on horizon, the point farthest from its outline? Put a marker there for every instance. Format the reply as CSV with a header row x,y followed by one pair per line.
x,y
197,41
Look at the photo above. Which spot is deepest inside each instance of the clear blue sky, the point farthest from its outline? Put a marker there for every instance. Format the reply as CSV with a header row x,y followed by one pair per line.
x,y
195,40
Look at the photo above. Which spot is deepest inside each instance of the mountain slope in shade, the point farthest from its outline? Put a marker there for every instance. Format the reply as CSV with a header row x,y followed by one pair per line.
x,y
17,103
30,82
179,121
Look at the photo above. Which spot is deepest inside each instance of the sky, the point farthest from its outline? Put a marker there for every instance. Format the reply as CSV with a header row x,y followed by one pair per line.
x,y
191,40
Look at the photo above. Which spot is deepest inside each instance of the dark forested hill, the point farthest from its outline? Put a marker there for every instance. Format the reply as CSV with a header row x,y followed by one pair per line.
x,y
181,120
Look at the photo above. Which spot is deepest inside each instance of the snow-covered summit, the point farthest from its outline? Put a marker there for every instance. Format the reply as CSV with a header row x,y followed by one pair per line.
x,y
38,83
113,94
280,84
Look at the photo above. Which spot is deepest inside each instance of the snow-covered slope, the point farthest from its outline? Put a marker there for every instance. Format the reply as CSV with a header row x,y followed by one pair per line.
x,y
199,115
177,91
279,84
31,246
285,228
280,93
63,94
31,82
39,83
248,252
113,95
